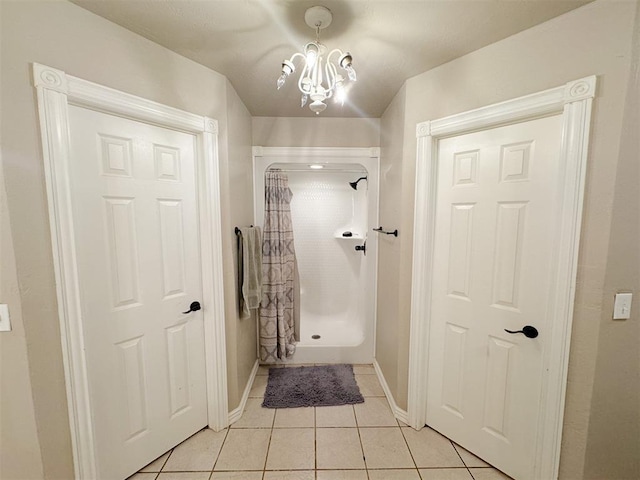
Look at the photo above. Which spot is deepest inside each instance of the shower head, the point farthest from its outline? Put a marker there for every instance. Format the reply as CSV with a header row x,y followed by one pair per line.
x,y
354,185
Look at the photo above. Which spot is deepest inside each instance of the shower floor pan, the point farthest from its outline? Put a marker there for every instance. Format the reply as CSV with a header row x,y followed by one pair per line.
x,y
340,342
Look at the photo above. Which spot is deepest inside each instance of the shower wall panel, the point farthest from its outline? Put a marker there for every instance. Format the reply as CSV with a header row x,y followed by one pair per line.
x,y
323,207
338,282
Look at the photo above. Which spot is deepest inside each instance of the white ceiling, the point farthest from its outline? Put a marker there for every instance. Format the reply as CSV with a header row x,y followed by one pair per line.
x,y
390,41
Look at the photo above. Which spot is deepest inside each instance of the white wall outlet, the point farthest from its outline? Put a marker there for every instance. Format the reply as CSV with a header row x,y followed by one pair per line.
x,y
5,321
622,306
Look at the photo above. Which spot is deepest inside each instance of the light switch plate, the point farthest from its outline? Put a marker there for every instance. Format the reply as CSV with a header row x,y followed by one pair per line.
x,y
5,321
622,306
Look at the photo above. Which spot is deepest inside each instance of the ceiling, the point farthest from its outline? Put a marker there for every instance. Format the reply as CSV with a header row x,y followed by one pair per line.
x,y
390,41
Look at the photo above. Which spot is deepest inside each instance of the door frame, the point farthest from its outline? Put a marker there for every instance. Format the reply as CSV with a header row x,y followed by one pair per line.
x,y
55,92
574,102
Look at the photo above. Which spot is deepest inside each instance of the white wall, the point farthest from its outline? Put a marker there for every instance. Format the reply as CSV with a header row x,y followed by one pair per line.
x,y
237,177
323,206
67,37
613,442
316,132
594,39
389,339
19,446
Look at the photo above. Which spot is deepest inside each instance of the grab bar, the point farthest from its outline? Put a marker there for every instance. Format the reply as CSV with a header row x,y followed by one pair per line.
x,y
386,232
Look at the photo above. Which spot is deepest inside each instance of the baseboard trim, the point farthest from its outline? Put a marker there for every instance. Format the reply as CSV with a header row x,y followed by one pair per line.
x,y
236,413
395,409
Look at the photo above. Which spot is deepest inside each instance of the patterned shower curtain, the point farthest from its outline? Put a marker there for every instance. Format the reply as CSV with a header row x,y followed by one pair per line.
x,y
279,272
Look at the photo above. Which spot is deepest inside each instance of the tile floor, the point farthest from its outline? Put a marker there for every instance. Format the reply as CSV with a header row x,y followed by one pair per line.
x,y
351,442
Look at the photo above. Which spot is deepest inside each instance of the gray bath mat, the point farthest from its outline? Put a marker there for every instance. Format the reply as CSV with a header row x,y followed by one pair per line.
x,y
311,387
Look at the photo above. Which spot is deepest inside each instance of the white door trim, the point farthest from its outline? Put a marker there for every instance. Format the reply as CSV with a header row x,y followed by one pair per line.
x,y
573,100
56,90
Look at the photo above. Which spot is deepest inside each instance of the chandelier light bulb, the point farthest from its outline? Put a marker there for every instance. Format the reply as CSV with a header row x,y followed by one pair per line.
x,y
319,79
346,62
352,73
311,51
287,69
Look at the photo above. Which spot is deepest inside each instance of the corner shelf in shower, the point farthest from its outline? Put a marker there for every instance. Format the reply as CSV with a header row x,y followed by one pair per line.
x,y
355,236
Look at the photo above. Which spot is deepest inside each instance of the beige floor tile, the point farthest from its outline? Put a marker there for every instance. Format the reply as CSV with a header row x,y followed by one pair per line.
x,y
263,370
469,459
405,474
430,449
338,448
143,476
196,453
244,449
157,464
374,412
340,416
364,370
237,475
369,386
297,475
445,474
258,387
341,475
385,448
303,417
184,476
255,416
488,474
291,449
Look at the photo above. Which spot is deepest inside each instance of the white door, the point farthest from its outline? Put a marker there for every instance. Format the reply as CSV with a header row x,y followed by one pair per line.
x,y
135,216
497,202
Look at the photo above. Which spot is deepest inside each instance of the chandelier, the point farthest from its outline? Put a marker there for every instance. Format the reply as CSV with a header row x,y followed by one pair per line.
x,y
319,79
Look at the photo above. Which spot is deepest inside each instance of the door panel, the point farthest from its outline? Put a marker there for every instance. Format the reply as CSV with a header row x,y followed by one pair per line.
x,y
135,218
497,198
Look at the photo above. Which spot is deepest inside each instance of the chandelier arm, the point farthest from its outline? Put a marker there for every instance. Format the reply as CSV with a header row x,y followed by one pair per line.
x,y
331,73
335,50
332,84
317,72
295,55
313,75
302,76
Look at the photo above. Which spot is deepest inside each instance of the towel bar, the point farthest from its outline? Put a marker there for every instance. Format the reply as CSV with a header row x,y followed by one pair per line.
x,y
238,232
386,232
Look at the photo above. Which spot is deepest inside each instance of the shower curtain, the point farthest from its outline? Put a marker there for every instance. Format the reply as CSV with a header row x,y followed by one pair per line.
x,y
280,290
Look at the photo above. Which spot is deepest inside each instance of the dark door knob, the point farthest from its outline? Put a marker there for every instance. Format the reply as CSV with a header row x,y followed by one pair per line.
x,y
528,330
194,307
362,248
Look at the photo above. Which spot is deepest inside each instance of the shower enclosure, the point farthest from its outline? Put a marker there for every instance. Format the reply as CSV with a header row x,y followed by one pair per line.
x,y
336,249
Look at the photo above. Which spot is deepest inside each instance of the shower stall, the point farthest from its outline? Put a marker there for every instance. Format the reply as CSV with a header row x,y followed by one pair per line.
x,y
334,209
